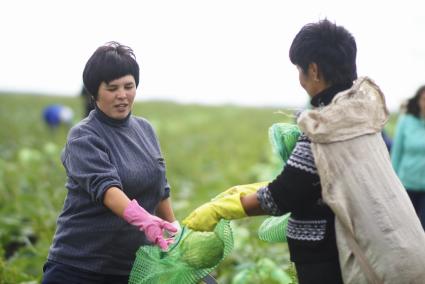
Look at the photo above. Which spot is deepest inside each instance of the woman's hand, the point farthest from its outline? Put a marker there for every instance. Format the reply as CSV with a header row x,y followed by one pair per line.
x,y
229,205
151,225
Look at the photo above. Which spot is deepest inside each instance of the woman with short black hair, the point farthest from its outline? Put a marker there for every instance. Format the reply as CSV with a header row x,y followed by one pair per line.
x,y
349,218
325,56
118,196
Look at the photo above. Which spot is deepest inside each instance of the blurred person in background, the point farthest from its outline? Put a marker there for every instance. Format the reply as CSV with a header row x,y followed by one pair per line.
x,y
408,152
118,197
56,115
337,178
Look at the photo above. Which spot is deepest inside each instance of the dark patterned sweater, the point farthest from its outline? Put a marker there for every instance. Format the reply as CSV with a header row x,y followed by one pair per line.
x,y
310,231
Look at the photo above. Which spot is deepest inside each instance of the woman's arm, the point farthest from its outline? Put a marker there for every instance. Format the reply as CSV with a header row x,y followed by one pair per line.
x,y
116,200
165,211
251,205
153,227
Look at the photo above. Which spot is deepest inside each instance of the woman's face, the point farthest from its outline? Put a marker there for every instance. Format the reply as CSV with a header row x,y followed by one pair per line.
x,y
309,80
115,98
304,80
421,103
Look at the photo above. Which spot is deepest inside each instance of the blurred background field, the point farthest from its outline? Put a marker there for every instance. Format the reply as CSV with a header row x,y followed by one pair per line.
x,y
207,149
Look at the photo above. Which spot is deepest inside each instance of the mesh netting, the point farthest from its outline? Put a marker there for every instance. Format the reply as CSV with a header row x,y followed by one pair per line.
x,y
273,229
283,137
192,256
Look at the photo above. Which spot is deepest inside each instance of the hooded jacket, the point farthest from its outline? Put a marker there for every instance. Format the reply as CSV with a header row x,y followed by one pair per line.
x,y
379,237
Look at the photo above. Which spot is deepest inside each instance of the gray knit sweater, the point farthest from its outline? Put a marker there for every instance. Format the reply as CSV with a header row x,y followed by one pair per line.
x,y
102,152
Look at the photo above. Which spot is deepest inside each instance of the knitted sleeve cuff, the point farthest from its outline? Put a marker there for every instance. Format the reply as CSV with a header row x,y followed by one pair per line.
x,y
267,202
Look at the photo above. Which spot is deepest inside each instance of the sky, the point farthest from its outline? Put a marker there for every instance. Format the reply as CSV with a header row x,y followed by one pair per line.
x,y
209,52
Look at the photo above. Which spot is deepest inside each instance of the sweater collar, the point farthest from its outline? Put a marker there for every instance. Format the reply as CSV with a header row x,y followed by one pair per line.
x,y
325,97
109,120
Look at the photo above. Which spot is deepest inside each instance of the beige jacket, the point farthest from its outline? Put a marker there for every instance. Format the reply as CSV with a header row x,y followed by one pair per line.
x,y
379,237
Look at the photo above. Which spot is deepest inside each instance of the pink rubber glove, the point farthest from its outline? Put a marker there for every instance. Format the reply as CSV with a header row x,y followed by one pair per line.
x,y
151,225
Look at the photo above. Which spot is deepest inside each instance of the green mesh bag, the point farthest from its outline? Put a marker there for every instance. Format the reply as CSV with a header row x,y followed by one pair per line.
x,y
273,229
189,259
282,137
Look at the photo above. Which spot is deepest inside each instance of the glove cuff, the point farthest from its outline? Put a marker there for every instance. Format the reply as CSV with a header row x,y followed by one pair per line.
x,y
133,212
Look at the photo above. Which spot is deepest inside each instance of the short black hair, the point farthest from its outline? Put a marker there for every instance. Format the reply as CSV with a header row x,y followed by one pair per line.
x,y
413,103
109,62
331,47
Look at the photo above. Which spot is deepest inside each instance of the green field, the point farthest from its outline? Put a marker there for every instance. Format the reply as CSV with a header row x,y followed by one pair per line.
x,y
207,150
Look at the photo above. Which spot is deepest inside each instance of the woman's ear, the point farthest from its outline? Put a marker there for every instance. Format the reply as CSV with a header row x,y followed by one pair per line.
x,y
314,71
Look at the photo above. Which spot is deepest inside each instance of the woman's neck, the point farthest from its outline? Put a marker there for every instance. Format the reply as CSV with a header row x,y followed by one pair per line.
x,y
325,96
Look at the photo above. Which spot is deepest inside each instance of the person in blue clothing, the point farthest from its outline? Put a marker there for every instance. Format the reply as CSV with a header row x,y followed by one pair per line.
x,y
118,197
408,151
56,115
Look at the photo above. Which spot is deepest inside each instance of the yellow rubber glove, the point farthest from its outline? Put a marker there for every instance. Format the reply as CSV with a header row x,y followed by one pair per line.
x,y
242,190
226,205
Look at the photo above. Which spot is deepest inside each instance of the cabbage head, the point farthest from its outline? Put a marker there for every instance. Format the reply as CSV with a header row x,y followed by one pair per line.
x,y
202,249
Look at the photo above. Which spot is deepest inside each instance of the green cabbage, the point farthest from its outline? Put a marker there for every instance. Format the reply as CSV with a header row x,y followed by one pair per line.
x,y
202,249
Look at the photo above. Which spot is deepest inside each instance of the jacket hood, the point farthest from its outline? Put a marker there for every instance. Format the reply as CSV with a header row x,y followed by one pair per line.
x,y
356,111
